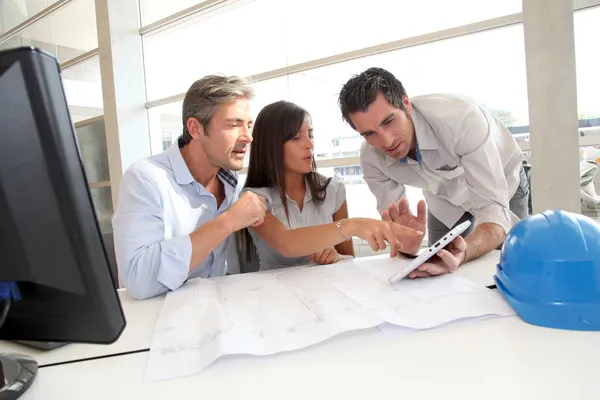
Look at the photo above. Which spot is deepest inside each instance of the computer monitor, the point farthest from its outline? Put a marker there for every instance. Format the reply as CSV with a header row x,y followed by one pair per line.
x,y
50,241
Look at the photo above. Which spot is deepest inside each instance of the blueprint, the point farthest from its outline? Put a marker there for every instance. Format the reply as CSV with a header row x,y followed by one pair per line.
x,y
293,308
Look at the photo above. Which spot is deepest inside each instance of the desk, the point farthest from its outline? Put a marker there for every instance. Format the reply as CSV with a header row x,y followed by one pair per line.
x,y
501,358
490,359
141,316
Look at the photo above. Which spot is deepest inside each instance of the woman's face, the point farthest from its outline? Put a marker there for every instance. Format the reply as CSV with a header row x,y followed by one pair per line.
x,y
298,151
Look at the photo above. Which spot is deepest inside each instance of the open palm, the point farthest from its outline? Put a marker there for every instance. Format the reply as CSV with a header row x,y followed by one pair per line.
x,y
400,214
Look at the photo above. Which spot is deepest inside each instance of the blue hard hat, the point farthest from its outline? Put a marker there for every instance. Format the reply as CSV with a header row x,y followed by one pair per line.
x,y
549,270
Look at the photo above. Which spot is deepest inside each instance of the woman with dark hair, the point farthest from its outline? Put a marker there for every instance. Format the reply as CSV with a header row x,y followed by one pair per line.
x,y
307,215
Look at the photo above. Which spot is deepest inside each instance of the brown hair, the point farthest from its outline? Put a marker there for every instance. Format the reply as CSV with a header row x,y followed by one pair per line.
x,y
276,124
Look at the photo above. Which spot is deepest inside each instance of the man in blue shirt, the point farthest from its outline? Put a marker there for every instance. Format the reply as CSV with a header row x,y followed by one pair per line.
x,y
177,209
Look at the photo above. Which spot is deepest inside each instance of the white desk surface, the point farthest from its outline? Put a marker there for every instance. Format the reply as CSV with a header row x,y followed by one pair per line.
x,y
502,358
141,316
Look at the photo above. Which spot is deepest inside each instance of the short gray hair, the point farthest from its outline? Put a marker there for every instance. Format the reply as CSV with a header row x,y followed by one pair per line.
x,y
205,96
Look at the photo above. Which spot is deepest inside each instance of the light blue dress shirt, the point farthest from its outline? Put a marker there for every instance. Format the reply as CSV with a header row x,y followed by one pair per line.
x,y
159,205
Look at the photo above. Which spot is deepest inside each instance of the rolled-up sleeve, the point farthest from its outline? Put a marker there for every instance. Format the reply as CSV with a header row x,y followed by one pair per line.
x,y
385,190
263,192
149,265
483,169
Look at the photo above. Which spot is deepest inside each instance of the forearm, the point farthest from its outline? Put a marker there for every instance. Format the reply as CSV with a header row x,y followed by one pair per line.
x,y
208,237
149,270
308,240
485,237
152,269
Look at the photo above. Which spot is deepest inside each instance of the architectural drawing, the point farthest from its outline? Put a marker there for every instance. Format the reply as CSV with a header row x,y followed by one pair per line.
x,y
292,308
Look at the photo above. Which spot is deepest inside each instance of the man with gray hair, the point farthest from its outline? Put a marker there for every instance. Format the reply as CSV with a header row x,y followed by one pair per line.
x,y
177,209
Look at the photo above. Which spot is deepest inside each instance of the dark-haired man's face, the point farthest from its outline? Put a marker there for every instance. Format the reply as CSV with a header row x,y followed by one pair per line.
x,y
387,128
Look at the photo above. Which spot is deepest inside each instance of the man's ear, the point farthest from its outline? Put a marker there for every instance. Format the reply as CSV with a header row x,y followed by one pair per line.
x,y
407,104
195,128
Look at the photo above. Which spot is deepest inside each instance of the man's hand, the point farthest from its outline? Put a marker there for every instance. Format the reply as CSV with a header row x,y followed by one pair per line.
x,y
327,256
446,260
400,214
249,210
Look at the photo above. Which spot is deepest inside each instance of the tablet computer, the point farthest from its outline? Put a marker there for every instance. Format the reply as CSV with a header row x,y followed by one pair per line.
x,y
430,252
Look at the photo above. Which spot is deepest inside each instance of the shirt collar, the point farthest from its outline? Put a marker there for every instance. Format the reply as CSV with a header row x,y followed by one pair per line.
x,y
276,199
308,194
423,131
417,154
182,173
183,176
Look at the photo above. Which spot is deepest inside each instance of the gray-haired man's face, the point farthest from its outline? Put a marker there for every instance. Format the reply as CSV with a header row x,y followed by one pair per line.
x,y
229,135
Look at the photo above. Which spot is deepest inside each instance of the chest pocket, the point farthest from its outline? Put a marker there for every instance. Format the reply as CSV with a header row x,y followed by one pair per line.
x,y
449,171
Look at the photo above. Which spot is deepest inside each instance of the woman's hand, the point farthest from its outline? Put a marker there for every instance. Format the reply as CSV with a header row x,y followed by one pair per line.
x,y
377,233
327,256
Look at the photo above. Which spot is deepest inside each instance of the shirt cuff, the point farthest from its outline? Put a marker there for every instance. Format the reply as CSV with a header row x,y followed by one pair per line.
x,y
498,215
175,256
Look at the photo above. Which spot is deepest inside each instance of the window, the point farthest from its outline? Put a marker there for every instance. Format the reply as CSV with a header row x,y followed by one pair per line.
x,y
589,160
587,32
66,34
251,37
83,89
488,66
91,140
16,12
236,40
155,10
334,29
166,124
102,199
362,203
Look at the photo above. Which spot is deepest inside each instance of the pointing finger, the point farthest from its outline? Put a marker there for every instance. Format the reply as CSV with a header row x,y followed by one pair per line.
x,y
392,240
401,230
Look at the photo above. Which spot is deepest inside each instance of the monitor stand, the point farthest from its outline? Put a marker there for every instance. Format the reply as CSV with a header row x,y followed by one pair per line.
x,y
17,372
40,345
